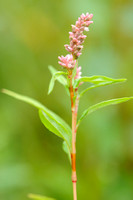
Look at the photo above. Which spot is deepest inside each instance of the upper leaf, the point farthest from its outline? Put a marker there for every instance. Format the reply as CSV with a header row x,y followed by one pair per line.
x,y
101,105
56,75
39,197
97,81
52,121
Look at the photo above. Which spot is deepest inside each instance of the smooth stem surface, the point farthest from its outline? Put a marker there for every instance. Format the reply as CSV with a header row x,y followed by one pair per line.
x,y
74,109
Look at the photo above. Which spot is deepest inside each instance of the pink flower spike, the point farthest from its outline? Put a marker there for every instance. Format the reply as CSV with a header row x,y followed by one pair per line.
x,y
76,36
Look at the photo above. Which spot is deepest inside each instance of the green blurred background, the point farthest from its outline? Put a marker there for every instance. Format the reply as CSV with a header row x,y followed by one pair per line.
x,y
32,36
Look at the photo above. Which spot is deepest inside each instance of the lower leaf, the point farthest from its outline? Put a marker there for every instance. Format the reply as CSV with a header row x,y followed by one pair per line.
x,y
57,126
53,122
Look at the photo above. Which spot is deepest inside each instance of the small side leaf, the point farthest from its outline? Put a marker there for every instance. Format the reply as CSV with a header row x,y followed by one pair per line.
x,y
61,79
56,75
39,197
97,81
52,121
101,105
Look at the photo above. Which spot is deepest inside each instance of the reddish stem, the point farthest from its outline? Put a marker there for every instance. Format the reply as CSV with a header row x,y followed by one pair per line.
x,y
74,109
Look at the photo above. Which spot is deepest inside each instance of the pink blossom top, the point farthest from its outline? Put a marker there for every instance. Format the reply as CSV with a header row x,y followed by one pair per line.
x,y
76,36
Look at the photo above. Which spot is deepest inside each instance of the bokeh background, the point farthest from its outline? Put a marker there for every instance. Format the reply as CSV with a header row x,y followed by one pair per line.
x,y
32,36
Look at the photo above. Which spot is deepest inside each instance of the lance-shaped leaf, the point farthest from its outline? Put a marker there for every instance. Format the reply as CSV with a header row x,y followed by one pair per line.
x,y
39,197
97,81
102,105
56,75
56,125
52,121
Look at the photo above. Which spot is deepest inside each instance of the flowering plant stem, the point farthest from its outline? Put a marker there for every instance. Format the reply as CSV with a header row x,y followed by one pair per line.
x,y
71,80
74,110
70,63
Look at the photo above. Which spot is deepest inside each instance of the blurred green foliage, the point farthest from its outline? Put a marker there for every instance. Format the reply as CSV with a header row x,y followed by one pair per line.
x,y
32,35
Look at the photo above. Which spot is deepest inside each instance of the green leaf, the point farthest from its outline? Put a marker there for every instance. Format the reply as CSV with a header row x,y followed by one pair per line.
x,y
26,99
97,81
66,149
56,75
39,197
52,121
61,79
101,105
56,125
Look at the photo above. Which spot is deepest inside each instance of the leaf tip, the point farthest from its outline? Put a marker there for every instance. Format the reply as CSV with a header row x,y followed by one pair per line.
x,y
8,92
124,79
121,80
30,195
2,90
5,91
50,67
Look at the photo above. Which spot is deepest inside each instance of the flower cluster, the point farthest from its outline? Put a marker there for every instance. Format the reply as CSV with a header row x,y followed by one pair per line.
x,y
76,40
67,61
76,36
